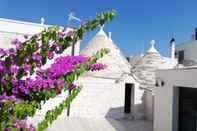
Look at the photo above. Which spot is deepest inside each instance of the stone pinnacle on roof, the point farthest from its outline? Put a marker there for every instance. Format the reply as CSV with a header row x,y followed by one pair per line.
x,y
101,31
152,47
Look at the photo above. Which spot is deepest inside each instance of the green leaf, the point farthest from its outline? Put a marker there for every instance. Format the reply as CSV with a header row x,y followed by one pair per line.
x,y
62,78
20,57
44,60
70,78
33,66
7,62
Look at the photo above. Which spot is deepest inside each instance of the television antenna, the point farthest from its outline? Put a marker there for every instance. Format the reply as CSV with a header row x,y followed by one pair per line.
x,y
71,16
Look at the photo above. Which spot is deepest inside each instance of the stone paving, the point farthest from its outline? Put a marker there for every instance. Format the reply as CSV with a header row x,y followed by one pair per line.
x,y
100,124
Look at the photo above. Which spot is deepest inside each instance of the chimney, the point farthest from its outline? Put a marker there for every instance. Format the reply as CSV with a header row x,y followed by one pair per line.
x,y
172,46
195,33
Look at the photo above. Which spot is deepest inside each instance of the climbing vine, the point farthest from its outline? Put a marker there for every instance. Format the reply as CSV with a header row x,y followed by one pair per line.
x,y
25,84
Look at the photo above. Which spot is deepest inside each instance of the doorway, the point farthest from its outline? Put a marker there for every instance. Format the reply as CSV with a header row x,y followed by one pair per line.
x,y
128,97
187,109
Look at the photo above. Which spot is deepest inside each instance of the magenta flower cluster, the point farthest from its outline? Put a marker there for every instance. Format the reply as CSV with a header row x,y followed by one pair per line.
x,y
24,87
23,125
17,43
5,97
97,66
64,65
47,79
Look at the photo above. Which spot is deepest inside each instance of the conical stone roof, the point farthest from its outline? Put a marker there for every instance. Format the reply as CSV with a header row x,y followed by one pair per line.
x,y
145,68
116,63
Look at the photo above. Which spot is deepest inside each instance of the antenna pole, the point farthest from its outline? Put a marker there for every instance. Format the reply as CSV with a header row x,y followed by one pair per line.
x,y
72,17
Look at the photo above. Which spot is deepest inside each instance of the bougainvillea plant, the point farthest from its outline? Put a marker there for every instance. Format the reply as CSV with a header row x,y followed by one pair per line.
x,y
24,84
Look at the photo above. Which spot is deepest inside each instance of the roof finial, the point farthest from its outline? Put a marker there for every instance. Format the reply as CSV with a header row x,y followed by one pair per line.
x,y
152,46
102,27
42,20
101,31
152,43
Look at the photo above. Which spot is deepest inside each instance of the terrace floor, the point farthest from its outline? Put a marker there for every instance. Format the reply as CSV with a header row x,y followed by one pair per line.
x,y
100,124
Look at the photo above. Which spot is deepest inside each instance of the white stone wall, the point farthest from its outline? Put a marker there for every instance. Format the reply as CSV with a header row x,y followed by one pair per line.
x,y
189,50
10,29
139,103
148,105
98,98
165,107
105,98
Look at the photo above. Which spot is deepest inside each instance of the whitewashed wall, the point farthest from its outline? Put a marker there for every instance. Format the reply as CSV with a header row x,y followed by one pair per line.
x,y
165,109
148,105
189,50
98,98
105,98
10,29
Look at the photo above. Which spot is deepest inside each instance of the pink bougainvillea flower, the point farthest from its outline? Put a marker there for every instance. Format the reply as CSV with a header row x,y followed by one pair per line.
x,y
68,31
17,43
65,64
61,34
5,97
13,69
50,55
5,129
2,52
23,125
26,36
97,67
26,67
71,86
36,57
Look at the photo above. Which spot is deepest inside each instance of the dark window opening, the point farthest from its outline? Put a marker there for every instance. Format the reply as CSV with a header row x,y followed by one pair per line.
x,y
181,56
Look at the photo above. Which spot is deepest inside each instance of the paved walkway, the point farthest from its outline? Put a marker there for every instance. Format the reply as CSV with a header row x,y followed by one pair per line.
x,y
99,124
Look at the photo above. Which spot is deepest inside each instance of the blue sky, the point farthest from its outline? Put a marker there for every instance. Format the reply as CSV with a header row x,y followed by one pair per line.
x,y
138,21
